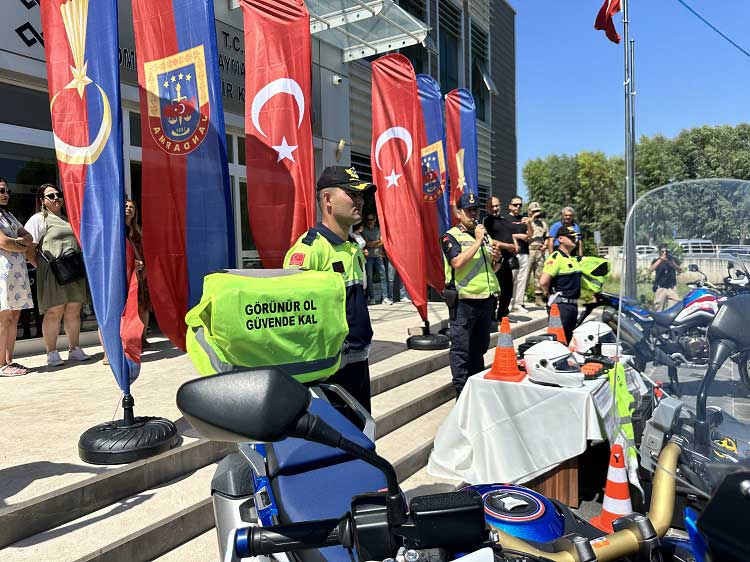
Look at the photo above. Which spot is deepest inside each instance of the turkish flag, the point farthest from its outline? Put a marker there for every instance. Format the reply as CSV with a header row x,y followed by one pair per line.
x,y
408,220
604,19
280,160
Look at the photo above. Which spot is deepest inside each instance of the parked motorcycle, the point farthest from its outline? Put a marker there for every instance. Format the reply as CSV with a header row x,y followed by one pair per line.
x,y
713,441
673,337
676,337
330,510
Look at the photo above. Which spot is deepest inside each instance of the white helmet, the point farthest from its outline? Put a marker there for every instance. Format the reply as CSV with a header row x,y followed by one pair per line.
x,y
589,334
550,362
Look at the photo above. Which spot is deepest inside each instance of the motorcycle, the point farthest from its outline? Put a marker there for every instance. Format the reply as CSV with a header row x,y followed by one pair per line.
x,y
713,441
675,337
331,509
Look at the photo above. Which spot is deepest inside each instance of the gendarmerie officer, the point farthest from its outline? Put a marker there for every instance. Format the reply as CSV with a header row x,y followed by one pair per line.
x,y
328,247
471,287
561,279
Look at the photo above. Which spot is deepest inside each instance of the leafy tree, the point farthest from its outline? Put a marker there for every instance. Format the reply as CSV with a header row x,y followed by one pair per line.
x,y
594,184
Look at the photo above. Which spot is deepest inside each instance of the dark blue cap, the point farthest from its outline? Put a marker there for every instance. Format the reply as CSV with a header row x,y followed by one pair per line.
x,y
467,201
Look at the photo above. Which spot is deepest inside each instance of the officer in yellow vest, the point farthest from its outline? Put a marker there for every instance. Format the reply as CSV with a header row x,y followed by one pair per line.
x,y
328,247
561,279
471,288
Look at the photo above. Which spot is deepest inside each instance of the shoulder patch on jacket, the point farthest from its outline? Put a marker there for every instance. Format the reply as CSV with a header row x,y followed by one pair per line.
x,y
310,236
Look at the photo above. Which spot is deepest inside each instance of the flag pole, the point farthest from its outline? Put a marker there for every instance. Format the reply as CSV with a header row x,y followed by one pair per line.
x,y
630,263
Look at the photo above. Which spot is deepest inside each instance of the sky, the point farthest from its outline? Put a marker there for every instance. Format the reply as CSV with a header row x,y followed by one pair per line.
x,y
569,92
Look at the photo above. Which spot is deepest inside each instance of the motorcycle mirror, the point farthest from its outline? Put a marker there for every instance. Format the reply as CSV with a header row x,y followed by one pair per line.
x,y
693,267
260,405
730,265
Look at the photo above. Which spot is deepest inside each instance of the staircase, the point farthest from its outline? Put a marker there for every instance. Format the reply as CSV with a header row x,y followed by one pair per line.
x,y
160,508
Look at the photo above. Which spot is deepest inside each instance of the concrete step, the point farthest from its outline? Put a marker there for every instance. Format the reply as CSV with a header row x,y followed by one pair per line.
x,y
408,447
203,548
405,403
422,484
69,503
133,529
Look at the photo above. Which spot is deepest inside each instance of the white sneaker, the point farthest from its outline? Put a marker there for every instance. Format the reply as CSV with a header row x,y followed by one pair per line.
x,y
406,301
77,354
520,309
54,359
387,301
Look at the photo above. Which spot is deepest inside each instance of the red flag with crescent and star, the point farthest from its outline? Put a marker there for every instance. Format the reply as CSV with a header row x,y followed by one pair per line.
x,y
408,220
280,160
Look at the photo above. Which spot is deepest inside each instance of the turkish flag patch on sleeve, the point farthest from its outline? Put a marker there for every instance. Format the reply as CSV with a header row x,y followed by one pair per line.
x,y
297,259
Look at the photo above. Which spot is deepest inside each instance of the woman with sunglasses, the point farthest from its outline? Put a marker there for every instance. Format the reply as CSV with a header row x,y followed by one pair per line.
x,y
15,290
53,235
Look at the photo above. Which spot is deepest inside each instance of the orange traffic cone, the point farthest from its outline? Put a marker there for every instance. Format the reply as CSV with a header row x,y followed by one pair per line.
x,y
555,326
616,493
504,366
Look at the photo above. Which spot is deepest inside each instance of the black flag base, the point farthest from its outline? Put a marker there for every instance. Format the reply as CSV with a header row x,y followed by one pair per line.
x,y
427,341
127,440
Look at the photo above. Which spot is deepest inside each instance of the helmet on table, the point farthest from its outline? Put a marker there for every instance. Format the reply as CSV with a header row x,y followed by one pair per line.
x,y
551,363
589,334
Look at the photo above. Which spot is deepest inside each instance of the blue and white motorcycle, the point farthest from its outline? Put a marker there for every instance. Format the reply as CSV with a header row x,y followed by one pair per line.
x,y
312,489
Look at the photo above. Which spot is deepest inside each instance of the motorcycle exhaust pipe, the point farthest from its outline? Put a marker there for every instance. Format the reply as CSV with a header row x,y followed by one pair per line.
x,y
626,541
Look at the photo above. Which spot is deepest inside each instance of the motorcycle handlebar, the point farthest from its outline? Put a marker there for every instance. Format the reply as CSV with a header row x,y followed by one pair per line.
x,y
258,541
255,541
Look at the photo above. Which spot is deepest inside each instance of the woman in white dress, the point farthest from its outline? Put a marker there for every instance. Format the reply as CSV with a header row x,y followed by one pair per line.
x,y
15,290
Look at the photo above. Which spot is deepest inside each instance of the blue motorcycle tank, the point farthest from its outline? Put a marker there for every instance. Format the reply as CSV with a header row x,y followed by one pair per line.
x,y
520,512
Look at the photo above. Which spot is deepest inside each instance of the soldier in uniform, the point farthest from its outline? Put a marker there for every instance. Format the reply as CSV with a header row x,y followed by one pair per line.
x,y
328,247
561,279
470,289
538,232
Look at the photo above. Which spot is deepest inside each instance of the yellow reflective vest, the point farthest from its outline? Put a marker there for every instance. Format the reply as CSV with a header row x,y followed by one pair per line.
x,y
476,279
295,320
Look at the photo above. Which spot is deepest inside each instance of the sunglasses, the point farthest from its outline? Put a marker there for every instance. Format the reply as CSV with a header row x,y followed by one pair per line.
x,y
4,190
53,196
515,204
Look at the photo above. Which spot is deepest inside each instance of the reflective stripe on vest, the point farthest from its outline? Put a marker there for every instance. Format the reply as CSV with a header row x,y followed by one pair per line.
x,y
475,280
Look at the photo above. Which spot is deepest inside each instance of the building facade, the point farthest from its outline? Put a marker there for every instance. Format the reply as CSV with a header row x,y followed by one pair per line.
x,y
470,44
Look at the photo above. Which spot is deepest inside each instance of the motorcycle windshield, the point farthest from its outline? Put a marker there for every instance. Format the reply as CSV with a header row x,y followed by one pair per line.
x,y
685,252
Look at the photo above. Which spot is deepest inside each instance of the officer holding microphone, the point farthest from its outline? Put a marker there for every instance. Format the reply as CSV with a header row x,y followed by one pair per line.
x,y
470,290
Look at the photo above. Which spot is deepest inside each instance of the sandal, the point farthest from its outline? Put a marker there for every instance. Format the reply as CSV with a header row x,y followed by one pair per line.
x,y
13,370
105,361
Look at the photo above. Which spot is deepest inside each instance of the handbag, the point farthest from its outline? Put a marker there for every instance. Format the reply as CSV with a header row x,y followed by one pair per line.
x,y
68,268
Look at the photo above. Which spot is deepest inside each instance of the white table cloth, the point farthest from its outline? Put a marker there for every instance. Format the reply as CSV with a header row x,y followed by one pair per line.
x,y
512,432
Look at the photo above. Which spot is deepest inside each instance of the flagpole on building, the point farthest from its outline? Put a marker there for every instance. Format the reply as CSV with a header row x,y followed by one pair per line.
x,y
628,50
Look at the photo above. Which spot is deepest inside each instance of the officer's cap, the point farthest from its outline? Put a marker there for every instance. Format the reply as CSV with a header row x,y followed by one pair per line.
x,y
345,178
467,201
568,231
534,206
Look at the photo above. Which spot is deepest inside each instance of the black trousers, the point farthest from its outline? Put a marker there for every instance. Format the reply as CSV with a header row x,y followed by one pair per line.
x,y
505,280
355,379
568,317
470,338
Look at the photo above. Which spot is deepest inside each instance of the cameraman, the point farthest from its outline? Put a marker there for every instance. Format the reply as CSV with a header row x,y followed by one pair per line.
x,y
665,283
538,232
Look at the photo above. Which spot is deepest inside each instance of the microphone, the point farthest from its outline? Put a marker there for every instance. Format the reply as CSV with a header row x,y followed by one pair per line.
x,y
487,239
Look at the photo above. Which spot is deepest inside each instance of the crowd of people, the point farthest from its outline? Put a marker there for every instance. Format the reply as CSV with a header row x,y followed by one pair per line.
x,y
48,243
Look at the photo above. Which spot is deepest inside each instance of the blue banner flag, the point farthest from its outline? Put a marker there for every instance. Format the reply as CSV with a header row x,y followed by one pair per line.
x,y
434,168
81,48
461,133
